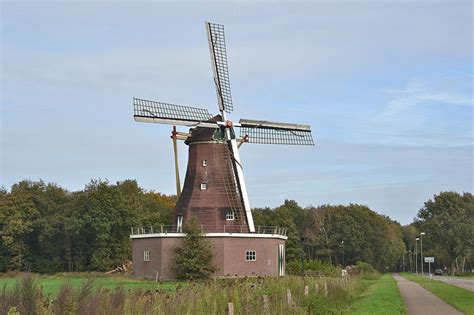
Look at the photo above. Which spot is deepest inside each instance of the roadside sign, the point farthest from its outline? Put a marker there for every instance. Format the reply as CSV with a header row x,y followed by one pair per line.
x,y
429,259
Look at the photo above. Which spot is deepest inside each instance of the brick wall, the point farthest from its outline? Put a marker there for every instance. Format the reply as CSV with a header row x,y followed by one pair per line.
x,y
229,256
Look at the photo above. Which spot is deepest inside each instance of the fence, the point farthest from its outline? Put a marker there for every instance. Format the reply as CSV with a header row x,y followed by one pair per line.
x,y
275,230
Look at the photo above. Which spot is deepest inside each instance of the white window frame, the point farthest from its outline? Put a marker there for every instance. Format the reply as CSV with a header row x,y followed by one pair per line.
x,y
146,255
204,186
250,255
204,162
230,215
179,225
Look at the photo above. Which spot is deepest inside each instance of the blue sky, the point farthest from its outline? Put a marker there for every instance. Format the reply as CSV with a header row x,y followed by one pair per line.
x,y
386,86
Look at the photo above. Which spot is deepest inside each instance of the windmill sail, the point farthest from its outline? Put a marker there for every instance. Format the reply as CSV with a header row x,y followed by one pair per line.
x,y
171,114
267,132
217,49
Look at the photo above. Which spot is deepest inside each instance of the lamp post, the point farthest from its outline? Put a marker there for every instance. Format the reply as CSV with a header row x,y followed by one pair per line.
x,y
416,254
421,251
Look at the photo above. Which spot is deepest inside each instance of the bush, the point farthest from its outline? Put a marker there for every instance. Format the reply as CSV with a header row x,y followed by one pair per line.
x,y
294,268
364,268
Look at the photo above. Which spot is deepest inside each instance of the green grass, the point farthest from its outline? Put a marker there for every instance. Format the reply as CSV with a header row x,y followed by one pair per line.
x,y
51,284
382,297
460,298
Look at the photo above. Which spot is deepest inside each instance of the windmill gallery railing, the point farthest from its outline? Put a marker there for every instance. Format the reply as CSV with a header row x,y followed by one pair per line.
x,y
165,229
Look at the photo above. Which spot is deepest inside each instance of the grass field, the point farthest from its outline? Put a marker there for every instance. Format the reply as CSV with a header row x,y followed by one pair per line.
x,y
460,298
121,295
369,294
382,297
51,284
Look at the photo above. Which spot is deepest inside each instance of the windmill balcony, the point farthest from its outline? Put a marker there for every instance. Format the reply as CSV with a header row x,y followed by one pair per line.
x,y
208,229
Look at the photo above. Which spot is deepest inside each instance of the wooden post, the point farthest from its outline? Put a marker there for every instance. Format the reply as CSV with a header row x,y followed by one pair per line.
x,y
306,290
176,168
288,297
230,308
157,277
325,288
265,303
317,288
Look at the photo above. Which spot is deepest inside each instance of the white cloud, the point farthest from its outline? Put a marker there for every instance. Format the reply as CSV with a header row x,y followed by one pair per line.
x,y
452,90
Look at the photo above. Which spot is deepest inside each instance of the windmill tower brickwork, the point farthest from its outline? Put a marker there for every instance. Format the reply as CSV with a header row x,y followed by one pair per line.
x,y
214,191
210,194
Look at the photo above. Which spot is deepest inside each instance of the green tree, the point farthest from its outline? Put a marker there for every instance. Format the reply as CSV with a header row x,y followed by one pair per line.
x,y
448,219
44,228
283,216
367,235
194,259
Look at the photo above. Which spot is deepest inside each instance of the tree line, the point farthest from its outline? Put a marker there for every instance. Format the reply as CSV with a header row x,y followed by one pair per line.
x,y
46,228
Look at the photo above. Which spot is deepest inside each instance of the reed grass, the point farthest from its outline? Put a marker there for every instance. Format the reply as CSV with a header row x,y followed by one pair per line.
x,y
210,297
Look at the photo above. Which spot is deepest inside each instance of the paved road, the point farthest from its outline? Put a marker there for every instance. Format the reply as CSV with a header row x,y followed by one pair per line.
x,y
421,301
467,284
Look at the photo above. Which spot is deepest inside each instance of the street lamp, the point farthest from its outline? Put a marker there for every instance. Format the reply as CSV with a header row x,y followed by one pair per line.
x,y
421,251
416,254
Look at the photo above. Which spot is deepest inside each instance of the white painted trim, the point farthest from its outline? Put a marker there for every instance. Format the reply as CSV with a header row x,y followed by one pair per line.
x,y
179,227
230,215
243,187
250,251
241,235
146,255
175,122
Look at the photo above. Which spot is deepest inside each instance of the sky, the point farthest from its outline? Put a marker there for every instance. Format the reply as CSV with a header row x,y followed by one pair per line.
x,y
386,86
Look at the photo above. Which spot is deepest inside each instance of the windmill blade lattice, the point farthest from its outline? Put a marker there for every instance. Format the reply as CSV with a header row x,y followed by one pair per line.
x,y
152,111
265,132
217,49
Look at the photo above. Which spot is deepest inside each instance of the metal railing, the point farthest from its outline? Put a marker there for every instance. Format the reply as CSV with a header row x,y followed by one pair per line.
x,y
210,229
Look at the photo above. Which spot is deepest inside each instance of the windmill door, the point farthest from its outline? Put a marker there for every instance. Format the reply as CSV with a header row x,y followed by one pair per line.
x,y
281,259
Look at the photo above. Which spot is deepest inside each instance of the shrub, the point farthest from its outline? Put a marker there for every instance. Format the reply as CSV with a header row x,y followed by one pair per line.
x,y
364,268
294,268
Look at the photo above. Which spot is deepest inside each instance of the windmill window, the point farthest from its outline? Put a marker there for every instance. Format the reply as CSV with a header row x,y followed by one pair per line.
x,y
229,216
203,186
250,255
204,162
146,255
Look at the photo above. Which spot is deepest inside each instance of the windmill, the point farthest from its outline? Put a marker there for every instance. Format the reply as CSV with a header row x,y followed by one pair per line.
x,y
214,191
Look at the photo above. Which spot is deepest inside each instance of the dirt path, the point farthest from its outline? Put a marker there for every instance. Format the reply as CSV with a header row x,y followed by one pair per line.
x,y
421,301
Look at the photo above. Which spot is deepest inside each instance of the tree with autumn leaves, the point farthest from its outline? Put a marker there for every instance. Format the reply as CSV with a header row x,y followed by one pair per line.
x,y
45,228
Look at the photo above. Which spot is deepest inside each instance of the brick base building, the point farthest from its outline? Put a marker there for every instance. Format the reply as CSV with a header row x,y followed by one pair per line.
x,y
234,254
